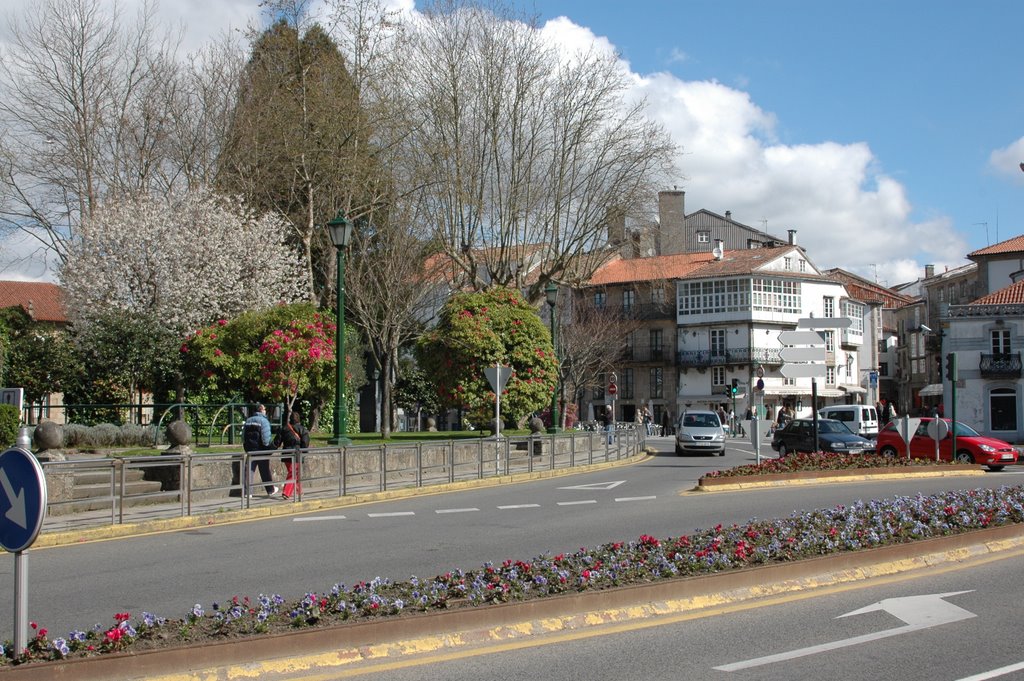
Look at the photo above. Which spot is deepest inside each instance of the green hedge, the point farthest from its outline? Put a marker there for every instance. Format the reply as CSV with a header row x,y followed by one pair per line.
x,y
10,419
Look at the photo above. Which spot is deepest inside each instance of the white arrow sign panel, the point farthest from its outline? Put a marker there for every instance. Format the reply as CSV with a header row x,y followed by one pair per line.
x,y
803,354
824,323
801,338
918,612
803,370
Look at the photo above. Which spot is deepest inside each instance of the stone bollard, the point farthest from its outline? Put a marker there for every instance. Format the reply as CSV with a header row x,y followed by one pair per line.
x,y
179,435
49,440
431,424
537,429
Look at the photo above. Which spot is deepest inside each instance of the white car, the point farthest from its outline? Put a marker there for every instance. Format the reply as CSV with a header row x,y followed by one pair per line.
x,y
700,432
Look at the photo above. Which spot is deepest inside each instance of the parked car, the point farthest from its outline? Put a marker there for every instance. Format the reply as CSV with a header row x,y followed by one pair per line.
x,y
833,436
971,446
862,419
700,432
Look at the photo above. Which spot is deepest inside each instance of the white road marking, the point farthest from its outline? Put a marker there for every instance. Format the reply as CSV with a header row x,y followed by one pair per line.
x,y
319,517
635,498
1002,671
918,612
456,510
574,503
390,515
504,508
597,485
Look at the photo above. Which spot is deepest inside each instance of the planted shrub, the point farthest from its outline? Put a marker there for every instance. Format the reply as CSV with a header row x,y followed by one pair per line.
x,y
9,421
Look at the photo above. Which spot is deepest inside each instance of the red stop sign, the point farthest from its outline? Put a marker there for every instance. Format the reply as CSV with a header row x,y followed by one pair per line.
x,y
612,389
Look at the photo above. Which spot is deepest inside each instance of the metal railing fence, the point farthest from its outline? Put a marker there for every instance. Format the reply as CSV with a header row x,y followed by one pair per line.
x,y
85,492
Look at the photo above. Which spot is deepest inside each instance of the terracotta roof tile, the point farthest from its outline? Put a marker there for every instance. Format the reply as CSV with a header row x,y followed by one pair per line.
x,y
42,300
623,270
1014,245
1012,294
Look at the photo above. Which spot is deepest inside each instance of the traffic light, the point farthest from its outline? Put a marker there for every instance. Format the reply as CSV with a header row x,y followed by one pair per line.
x,y
735,388
951,373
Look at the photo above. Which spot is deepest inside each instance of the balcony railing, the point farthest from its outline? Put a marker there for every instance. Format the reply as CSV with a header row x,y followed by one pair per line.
x,y
1001,365
708,358
650,311
643,353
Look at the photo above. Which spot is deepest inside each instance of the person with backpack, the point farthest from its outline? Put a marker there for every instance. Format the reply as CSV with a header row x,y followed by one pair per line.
x,y
293,437
256,438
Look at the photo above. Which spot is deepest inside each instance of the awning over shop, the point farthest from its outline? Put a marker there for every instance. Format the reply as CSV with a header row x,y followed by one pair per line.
x,y
931,390
852,389
831,392
785,390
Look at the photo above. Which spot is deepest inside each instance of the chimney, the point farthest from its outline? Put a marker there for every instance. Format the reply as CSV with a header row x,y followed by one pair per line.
x,y
792,237
929,271
616,221
728,215
719,249
671,221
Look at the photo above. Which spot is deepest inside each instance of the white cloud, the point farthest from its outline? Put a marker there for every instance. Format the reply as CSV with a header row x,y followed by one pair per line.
x,y
1007,161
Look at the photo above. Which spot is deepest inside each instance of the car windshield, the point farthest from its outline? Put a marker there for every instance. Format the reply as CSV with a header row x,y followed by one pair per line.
x,y
962,429
701,421
833,427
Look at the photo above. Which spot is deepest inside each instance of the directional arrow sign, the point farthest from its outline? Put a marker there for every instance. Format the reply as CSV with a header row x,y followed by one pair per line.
x,y
801,338
918,612
816,354
824,323
803,370
23,498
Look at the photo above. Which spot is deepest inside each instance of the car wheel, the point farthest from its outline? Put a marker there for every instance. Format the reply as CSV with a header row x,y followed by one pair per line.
x,y
963,456
995,468
722,453
888,452
782,451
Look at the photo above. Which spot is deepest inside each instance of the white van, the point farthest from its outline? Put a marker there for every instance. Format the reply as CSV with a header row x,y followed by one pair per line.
x,y
860,418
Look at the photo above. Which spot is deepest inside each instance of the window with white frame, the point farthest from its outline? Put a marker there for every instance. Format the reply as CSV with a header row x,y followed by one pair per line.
x,y
717,376
1000,341
787,263
829,305
658,295
830,341
830,375
703,237
802,265
718,342
714,296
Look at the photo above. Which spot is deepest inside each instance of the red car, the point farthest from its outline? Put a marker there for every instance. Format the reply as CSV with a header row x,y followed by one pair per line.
x,y
971,446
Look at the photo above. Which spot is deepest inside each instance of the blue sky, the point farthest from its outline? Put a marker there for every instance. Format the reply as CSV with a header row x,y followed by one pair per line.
x,y
887,133
929,91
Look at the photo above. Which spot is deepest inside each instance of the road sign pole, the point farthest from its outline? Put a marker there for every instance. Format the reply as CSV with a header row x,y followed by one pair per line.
x,y
20,602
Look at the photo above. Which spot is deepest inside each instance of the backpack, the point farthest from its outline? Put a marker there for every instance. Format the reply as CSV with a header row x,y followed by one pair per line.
x,y
252,437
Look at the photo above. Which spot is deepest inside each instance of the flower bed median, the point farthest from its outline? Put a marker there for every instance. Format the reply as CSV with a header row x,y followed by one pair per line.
x,y
758,542
822,467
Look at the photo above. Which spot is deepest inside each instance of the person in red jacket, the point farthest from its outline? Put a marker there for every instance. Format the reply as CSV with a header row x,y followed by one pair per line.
x,y
293,437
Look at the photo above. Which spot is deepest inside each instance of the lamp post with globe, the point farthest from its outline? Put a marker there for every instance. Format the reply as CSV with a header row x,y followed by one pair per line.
x,y
341,234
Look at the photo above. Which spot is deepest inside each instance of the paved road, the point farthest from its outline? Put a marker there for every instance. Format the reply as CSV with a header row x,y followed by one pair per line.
x,y
74,587
903,629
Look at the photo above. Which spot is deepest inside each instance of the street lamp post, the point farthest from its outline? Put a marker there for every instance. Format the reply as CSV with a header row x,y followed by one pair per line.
x,y
551,292
341,234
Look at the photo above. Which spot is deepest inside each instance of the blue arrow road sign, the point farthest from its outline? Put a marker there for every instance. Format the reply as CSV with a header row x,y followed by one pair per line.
x,y
22,499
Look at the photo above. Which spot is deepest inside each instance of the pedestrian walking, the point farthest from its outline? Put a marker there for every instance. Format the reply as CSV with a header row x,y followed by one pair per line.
x,y
293,438
256,438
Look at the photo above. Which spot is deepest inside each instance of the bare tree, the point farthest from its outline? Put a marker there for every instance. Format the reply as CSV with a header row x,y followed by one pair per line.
x,y
590,344
531,149
81,103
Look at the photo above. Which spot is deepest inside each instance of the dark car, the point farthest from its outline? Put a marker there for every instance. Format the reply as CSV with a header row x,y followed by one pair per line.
x,y
833,436
971,446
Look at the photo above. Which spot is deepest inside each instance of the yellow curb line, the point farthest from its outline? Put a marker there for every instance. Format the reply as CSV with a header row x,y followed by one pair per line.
x,y
825,480
226,517
338,661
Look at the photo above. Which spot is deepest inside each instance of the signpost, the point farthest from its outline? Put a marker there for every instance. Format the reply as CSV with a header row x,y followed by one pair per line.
x,y
805,356
23,486
497,376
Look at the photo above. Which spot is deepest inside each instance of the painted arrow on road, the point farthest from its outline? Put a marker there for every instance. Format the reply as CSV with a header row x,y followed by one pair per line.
x,y
597,485
918,612
16,513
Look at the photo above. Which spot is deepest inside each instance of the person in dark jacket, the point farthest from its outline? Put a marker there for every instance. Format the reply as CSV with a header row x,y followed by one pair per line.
x,y
256,438
294,437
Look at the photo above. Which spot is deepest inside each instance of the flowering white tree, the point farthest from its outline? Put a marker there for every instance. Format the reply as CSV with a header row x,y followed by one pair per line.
x,y
184,262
